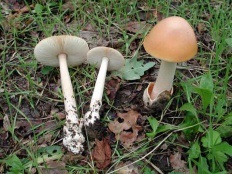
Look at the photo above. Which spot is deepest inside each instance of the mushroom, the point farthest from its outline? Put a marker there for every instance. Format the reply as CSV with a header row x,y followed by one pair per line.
x,y
104,58
172,40
64,51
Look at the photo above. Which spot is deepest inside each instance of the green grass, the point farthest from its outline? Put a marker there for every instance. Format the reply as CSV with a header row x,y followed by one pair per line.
x,y
200,109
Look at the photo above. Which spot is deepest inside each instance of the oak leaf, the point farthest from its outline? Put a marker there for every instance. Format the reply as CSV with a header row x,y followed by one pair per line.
x,y
125,127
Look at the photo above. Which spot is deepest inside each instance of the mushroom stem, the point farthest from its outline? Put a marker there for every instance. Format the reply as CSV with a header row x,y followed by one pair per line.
x,y
165,78
96,101
100,82
67,89
73,137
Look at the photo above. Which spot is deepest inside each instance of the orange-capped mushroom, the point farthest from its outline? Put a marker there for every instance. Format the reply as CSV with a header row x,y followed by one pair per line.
x,y
172,40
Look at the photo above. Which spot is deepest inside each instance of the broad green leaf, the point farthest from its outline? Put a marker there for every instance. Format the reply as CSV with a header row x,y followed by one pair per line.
x,y
147,170
228,119
188,89
229,41
38,9
225,129
207,82
164,128
134,69
154,125
224,147
189,107
220,108
202,165
211,139
50,150
194,151
157,128
219,157
189,121
46,70
205,90
15,164
206,96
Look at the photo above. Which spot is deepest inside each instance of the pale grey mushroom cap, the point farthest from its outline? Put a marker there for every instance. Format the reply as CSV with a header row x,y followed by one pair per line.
x,y
75,48
116,59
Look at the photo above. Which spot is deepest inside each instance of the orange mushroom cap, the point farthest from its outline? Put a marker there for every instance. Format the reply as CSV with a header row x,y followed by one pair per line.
x,y
172,40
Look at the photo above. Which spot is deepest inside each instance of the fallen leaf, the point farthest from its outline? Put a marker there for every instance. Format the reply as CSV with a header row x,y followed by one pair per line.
x,y
122,168
135,27
25,127
47,138
68,6
102,153
25,9
54,167
128,138
147,13
125,127
200,27
89,27
6,123
93,38
178,164
112,87
4,135
158,15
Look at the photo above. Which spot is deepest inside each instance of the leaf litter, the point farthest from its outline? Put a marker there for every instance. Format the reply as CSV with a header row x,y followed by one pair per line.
x,y
125,127
178,164
102,153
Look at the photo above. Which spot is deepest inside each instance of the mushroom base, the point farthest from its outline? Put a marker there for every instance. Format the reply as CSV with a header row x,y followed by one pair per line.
x,y
93,114
157,103
73,138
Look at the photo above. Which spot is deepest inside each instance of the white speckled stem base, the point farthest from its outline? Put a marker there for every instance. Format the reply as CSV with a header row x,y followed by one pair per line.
x,y
93,114
73,137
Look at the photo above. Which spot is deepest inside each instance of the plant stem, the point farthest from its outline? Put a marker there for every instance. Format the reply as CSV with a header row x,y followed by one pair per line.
x,y
165,78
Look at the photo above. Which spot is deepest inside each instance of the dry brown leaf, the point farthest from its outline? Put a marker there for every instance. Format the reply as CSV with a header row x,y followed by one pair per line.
x,y
125,127
54,167
200,27
102,153
25,9
6,123
178,164
93,38
128,138
135,27
158,15
89,27
112,87
124,169
68,6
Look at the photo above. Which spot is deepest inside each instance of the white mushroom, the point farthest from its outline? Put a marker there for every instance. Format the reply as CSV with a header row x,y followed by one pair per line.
x,y
65,51
172,40
106,59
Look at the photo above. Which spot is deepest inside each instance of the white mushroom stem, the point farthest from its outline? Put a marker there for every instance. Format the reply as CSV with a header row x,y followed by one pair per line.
x,y
96,101
165,78
73,137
